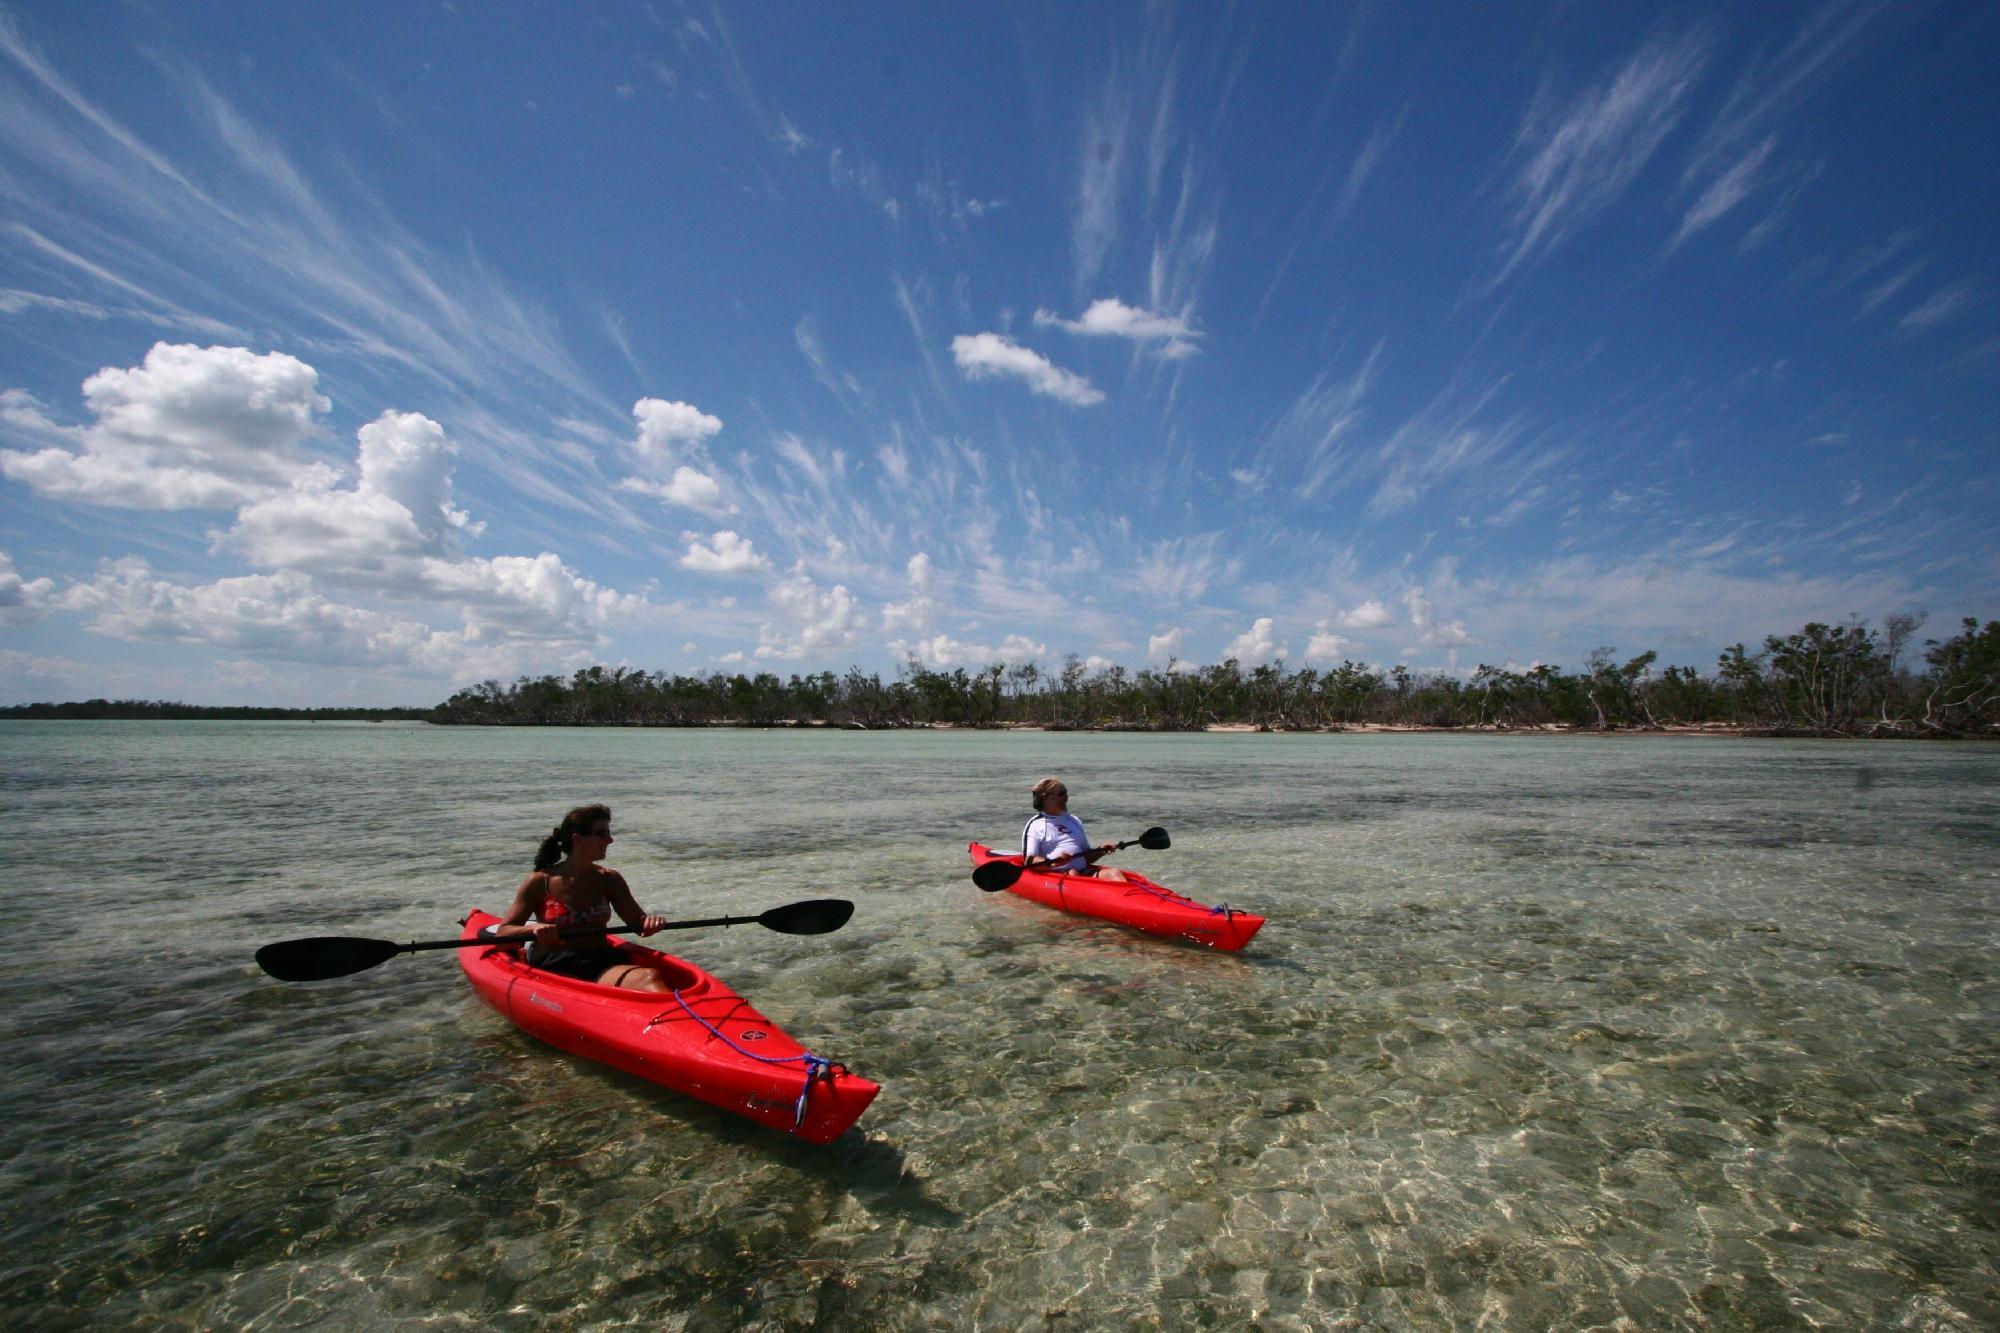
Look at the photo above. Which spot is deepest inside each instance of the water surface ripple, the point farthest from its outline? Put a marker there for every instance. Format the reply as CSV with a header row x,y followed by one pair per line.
x,y
1543,1033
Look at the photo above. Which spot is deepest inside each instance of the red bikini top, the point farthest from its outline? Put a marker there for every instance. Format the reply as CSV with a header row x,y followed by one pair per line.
x,y
562,914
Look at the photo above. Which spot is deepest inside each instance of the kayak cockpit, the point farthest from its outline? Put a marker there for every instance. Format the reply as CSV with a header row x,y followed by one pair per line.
x,y
673,973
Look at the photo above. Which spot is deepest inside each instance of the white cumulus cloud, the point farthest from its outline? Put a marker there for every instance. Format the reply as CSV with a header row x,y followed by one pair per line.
x,y
1371,614
808,621
21,600
526,596
1431,634
399,510
396,533
724,553
913,616
665,427
688,487
1112,318
269,615
942,652
674,436
191,428
1257,644
987,355
1327,646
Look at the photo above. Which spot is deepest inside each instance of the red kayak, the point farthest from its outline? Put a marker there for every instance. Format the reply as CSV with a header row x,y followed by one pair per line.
x,y
703,1039
1140,903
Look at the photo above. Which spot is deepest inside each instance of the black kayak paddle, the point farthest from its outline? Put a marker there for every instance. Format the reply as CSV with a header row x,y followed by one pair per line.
x,y
323,956
994,876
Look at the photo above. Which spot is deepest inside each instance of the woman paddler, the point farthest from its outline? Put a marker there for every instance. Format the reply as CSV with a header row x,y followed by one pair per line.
x,y
567,889
1054,842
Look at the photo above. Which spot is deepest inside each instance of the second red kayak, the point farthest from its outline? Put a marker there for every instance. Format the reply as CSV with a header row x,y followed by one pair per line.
x,y
702,1039
1139,903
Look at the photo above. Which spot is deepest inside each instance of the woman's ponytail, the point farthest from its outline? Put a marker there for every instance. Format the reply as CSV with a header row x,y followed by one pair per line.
x,y
556,846
552,849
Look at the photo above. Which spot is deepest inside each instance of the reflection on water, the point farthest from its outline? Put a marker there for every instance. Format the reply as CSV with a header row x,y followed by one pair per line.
x,y
1544,1032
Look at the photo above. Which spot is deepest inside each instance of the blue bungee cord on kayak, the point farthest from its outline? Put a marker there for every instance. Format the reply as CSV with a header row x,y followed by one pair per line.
x,y
1223,910
1165,895
816,1067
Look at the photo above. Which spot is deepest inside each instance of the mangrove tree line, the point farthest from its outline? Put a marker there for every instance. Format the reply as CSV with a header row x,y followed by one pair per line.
x,y
1845,680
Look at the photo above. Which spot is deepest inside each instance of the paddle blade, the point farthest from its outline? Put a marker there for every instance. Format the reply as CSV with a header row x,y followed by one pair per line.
x,y
324,956
993,876
815,916
1155,839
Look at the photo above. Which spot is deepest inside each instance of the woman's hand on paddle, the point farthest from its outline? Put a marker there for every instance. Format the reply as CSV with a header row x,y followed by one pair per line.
x,y
549,935
652,923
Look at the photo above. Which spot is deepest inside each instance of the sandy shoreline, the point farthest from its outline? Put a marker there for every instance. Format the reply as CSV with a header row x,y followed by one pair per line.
x,y
1246,728
1395,729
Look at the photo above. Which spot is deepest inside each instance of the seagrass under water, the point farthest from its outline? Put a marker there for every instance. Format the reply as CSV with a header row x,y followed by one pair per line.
x,y
1546,1032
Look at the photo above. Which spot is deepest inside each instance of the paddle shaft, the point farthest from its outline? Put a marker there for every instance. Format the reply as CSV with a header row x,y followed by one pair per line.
x,y
996,875
1135,842
574,933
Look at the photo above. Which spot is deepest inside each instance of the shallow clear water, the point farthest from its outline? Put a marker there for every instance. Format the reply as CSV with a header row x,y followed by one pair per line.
x,y
1543,1033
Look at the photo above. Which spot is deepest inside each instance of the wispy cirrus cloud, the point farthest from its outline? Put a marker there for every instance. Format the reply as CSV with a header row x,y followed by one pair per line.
x,y
1312,434
1143,170
1938,307
844,387
1884,290
1578,156
1094,226
1735,157
1770,91
1176,571
1448,439
231,223
1361,170
913,298
1726,191
144,304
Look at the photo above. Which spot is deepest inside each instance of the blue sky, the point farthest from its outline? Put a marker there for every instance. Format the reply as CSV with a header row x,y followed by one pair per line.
x,y
354,354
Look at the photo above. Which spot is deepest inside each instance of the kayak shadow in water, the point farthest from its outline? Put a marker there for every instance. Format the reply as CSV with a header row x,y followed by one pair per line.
x,y
876,1172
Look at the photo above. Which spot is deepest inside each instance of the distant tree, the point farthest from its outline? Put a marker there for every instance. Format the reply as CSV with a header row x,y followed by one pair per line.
x,y
1964,685
1742,679
1826,678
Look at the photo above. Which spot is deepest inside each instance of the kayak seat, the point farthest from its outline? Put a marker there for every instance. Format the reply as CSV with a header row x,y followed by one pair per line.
x,y
672,972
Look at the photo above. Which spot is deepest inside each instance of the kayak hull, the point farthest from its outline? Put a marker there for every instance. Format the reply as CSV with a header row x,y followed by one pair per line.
x,y
1139,903
703,1039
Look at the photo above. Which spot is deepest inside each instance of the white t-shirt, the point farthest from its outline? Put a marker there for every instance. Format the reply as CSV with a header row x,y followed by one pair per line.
x,y
1060,838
